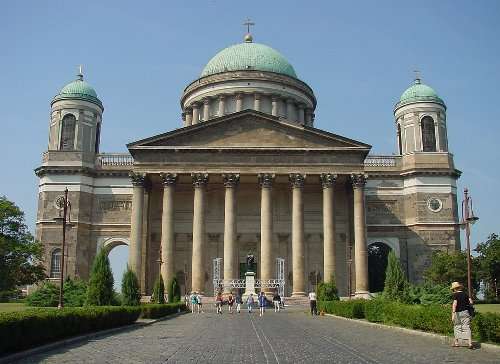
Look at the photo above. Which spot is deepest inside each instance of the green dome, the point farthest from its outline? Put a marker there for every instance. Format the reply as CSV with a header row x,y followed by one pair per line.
x,y
418,92
80,90
249,56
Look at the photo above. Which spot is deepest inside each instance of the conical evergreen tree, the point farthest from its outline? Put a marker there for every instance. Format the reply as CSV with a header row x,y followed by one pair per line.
x,y
130,288
100,290
174,291
396,286
158,291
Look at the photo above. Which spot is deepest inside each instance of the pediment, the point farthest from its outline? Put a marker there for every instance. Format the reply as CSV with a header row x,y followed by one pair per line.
x,y
248,129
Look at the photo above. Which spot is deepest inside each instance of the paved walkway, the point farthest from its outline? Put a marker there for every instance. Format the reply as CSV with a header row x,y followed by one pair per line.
x,y
291,336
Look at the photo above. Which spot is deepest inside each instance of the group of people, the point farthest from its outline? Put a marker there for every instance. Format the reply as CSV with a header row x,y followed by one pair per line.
x,y
261,300
194,302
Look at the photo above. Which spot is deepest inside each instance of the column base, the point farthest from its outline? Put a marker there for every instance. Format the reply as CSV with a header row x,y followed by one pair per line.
x,y
363,294
298,294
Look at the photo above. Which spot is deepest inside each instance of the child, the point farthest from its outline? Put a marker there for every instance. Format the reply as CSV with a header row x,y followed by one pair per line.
x,y
250,302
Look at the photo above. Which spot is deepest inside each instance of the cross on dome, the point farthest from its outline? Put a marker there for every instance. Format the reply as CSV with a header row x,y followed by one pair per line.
x,y
248,37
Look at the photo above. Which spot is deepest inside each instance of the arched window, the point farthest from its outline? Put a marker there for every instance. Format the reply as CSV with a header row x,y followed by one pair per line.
x,y
400,141
68,133
428,134
55,263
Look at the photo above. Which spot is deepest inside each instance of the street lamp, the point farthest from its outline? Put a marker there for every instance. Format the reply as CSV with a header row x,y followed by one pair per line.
x,y
160,262
468,219
64,205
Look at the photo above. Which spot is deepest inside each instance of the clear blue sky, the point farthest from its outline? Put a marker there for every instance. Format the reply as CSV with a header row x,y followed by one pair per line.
x,y
358,56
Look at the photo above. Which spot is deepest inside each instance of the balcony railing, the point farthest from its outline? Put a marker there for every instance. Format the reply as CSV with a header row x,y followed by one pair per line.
x,y
382,161
106,160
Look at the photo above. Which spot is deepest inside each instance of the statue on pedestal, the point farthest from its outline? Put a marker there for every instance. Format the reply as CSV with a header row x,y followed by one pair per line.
x,y
250,262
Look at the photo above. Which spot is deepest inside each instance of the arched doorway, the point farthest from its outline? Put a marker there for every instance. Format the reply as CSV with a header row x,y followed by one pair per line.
x,y
377,264
118,250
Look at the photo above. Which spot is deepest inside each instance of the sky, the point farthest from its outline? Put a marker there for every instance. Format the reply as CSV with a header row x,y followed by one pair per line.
x,y
358,57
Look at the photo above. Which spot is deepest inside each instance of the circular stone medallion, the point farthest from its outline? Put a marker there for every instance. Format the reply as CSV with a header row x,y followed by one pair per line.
x,y
434,204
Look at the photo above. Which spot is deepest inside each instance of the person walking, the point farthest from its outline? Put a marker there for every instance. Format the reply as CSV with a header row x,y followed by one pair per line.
x,y
312,303
276,302
194,302
230,302
262,303
218,302
250,302
460,315
199,303
238,302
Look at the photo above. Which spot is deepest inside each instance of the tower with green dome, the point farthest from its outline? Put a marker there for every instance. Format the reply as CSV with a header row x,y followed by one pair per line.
x,y
248,76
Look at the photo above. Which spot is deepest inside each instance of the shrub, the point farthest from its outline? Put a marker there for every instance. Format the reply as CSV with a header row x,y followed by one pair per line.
x,y
327,291
349,309
152,311
396,286
174,292
130,289
486,326
47,295
158,295
75,292
429,293
24,329
100,290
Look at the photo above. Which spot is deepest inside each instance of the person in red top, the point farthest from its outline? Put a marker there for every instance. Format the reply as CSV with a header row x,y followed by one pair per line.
x,y
218,302
460,315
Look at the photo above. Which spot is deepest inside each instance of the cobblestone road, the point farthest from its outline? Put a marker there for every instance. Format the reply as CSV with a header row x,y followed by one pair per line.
x,y
291,336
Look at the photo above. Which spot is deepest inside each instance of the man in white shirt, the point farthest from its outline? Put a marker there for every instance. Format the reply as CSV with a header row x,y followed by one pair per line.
x,y
312,303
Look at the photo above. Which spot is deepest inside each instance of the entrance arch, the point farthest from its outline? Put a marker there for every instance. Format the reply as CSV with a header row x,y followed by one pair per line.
x,y
118,251
377,265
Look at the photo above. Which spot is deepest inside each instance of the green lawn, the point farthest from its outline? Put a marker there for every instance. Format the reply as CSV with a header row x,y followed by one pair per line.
x,y
11,307
494,308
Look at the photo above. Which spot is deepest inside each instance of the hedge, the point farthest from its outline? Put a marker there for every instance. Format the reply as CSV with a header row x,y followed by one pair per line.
x,y
433,318
24,329
152,311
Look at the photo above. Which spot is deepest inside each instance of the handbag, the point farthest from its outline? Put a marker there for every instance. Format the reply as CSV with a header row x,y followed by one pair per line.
x,y
471,310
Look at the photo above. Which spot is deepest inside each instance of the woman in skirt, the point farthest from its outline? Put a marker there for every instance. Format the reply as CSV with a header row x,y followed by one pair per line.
x,y
460,315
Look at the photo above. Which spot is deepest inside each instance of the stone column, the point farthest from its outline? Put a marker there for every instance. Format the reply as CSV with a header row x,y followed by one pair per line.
x,y
206,109
221,105
289,105
196,113
230,183
308,116
301,113
360,250
167,228
135,249
436,133
274,110
329,254
189,117
266,228
256,101
298,248
200,181
239,101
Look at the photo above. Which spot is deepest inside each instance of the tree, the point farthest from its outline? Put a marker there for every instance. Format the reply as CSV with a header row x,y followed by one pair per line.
x,y
20,254
488,265
131,295
100,290
174,292
158,291
396,286
450,267
327,291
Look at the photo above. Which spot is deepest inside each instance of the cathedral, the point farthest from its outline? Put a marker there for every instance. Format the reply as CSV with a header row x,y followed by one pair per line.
x,y
247,172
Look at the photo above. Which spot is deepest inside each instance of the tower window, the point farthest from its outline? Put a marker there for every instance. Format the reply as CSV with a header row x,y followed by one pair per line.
x,y
68,133
428,135
97,137
55,263
400,142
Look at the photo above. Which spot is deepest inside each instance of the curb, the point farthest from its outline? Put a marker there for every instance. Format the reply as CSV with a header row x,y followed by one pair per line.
x,y
65,342
444,338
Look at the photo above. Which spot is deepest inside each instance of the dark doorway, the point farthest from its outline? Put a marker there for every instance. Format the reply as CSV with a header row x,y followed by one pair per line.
x,y
377,264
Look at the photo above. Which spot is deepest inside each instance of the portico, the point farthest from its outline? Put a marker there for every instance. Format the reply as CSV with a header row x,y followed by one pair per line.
x,y
224,162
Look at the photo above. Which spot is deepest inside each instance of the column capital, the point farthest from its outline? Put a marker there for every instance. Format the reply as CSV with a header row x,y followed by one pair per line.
x,y
358,180
297,180
222,97
231,180
275,98
256,95
199,179
266,180
138,179
328,179
239,95
168,179
206,101
195,105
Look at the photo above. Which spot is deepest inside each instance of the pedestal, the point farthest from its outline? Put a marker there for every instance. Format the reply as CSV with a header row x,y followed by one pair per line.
x,y
249,286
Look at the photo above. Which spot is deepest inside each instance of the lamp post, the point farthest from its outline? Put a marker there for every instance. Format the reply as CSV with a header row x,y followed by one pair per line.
x,y
65,205
468,219
160,262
